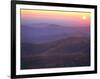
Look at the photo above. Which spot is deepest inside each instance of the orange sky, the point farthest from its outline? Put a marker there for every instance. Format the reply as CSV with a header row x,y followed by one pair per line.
x,y
77,17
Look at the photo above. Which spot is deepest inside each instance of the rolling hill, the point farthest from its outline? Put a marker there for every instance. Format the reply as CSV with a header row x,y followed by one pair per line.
x,y
67,52
44,33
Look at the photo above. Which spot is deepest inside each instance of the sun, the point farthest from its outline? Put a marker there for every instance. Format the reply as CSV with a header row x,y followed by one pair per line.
x,y
84,17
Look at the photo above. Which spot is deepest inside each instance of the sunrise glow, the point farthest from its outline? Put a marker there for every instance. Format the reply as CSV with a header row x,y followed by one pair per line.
x,y
76,18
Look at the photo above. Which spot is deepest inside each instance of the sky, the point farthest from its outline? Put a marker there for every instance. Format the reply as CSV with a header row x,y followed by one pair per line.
x,y
63,18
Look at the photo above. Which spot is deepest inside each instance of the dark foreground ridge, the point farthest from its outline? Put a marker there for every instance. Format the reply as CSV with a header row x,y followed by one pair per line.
x,y
68,52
